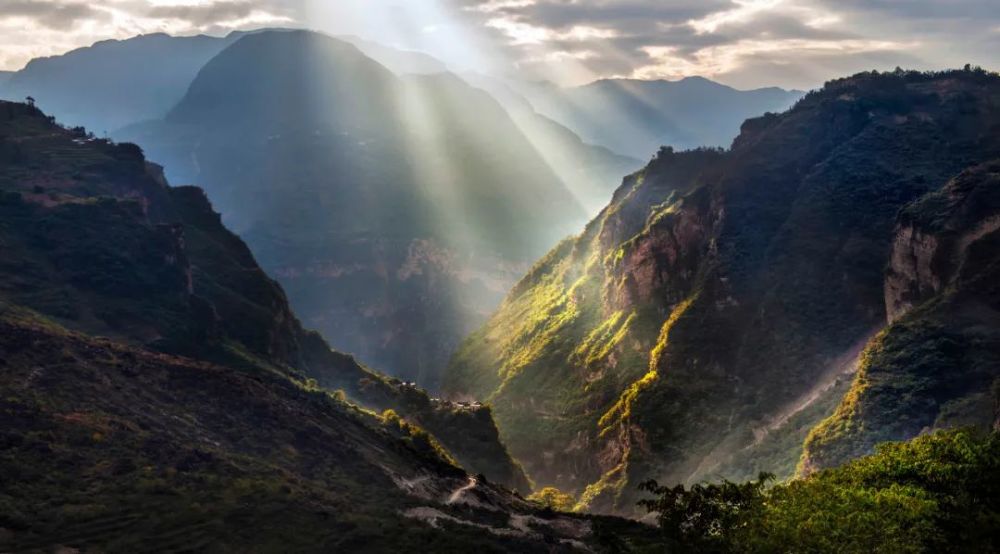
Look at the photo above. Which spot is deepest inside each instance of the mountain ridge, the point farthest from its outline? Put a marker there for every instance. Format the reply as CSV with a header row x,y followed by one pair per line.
x,y
636,117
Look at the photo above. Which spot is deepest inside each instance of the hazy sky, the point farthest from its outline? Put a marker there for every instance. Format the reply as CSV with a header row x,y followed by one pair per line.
x,y
745,43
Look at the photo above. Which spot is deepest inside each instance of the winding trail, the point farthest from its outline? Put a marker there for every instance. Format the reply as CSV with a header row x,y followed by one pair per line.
x,y
455,496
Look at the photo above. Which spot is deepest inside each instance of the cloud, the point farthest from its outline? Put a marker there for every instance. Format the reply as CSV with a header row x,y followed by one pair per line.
x,y
200,15
795,42
51,14
33,28
745,43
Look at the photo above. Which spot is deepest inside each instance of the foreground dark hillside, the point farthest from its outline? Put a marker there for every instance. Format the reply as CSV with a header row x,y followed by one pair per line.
x,y
715,311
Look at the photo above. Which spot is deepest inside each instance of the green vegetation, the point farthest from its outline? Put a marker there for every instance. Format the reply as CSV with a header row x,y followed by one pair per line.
x,y
936,493
553,498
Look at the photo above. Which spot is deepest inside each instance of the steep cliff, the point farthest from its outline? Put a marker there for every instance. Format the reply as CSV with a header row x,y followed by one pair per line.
x,y
711,315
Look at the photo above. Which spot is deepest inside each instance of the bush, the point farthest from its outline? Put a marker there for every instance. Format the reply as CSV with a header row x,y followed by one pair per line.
x,y
551,497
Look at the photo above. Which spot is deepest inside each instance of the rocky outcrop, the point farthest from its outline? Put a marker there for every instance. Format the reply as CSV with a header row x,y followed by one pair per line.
x,y
910,278
660,262
932,240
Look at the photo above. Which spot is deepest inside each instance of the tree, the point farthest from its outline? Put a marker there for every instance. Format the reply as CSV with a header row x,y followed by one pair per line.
x,y
553,498
31,101
709,517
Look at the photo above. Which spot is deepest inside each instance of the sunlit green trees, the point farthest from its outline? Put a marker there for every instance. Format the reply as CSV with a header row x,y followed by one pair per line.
x,y
937,493
551,497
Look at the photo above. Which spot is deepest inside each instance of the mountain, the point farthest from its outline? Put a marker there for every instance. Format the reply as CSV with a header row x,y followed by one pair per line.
x,y
4,77
590,169
158,394
395,220
206,297
115,83
400,62
714,313
636,117
133,321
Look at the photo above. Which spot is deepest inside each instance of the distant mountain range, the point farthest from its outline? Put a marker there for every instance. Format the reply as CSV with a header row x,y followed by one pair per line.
x,y
400,62
115,82
636,117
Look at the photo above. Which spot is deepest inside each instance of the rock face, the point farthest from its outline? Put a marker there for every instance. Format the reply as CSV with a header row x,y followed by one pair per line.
x,y
713,313
95,239
911,278
395,221
930,249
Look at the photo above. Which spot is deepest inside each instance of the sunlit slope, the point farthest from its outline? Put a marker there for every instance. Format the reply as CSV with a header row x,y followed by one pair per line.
x,y
96,240
712,314
395,211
